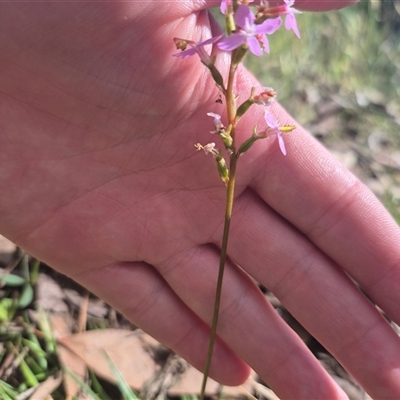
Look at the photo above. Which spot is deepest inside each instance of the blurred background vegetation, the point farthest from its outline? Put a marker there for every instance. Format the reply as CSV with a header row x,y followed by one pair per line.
x,y
351,55
341,81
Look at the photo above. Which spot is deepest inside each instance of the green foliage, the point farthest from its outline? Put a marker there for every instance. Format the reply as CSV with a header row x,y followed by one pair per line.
x,y
347,58
391,203
7,392
32,363
27,339
343,51
126,391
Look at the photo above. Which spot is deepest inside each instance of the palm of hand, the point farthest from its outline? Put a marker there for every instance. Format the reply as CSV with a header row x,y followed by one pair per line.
x,y
114,160
109,175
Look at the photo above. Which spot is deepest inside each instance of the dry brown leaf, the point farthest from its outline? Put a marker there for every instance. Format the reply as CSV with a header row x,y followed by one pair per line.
x,y
49,295
190,383
191,380
59,324
45,389
7,251
96,307
132,353
73,363
82,319
243,391
262,390
68,359
7,366
125,349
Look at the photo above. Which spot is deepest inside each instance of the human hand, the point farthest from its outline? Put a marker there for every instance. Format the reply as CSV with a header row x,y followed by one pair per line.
x,y
102,182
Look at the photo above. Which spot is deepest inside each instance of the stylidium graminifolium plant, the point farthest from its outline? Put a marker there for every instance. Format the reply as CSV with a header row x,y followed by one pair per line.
x,y
246,31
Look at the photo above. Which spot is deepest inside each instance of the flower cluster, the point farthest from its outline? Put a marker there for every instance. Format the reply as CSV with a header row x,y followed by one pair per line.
x,y
250,30
249,33
245,31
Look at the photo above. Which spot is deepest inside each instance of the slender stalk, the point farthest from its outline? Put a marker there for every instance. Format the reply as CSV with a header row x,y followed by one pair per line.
x,y
230,97
230,191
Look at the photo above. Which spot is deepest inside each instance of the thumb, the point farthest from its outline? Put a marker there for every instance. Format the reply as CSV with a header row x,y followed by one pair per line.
x,y
323,5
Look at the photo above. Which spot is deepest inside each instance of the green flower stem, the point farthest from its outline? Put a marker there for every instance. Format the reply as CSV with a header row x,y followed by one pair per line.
x,y
230,96
230,191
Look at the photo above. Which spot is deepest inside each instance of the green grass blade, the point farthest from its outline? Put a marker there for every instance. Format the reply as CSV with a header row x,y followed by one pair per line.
x,y
126,391
84,387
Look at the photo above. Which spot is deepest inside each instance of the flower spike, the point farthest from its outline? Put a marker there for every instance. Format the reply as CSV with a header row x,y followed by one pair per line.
x,y
245,32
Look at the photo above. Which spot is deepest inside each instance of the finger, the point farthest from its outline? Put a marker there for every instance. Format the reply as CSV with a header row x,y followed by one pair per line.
x,y
248,324
318,294
339,214
326,5
139,292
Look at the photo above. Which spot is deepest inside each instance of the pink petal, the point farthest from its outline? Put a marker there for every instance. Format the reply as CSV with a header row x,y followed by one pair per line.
x,y
291,24
231,42
281,143
289,3
185,53
265,43
269,26
270,120
209,41
224,6
254,46
197,48
244,16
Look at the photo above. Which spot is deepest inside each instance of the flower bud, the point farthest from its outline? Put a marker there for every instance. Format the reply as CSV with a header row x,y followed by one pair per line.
x,y
265,97
242,109
249,142
222,169
216,75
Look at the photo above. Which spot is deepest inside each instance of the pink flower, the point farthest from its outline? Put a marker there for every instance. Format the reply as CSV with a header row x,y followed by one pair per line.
x,y
266,96
273,129
250,33
195,48
217,122
290,19
284,9
208,148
